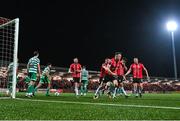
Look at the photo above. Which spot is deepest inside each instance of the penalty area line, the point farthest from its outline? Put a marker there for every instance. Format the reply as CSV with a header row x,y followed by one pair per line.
x,y
100,104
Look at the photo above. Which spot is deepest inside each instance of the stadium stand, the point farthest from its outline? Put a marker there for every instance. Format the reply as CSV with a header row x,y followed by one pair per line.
x,y
61,79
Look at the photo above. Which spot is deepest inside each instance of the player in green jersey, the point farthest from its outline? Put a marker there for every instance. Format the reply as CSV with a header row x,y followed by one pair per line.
x,y
84,81
33,67
45,78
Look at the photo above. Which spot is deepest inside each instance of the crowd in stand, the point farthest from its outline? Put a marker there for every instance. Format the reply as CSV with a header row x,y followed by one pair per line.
x,y
64,83
149,87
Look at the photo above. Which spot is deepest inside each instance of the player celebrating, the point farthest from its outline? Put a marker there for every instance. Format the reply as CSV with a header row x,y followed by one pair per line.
x,y
33,67
84,81
102,80
45,78
75,69
121,68
117,67
109,78
137,69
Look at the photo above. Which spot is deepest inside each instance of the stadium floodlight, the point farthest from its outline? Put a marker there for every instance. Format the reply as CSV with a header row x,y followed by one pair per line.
x,y
9,30
172,26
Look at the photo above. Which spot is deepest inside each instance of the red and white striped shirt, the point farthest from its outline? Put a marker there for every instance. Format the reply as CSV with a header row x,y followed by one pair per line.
x,y
137,70
75,69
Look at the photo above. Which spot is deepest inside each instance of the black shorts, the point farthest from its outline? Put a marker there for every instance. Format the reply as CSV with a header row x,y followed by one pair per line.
x,y
101,79
76,79
120,79
137,80
110,78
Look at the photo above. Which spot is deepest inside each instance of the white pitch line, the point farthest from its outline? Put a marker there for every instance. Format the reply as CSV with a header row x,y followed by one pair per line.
x,y
5,98
101,104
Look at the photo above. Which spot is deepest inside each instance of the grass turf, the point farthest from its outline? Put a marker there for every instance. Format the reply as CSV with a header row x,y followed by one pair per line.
x,y
51,108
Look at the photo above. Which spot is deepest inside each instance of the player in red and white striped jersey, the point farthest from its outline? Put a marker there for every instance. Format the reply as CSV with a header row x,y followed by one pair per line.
x,y
75,69
137,69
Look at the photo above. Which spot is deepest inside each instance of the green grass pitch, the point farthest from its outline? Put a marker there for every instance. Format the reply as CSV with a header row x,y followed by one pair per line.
x,y
68,107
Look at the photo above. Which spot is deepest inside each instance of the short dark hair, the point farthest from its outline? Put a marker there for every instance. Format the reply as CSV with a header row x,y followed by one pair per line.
x,y
84,67
116,53
36,53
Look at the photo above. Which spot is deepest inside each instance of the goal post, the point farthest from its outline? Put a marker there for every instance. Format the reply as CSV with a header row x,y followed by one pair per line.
x,y
16,35
9,32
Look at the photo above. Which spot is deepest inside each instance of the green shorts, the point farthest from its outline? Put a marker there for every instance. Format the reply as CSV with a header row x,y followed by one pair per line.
x,y
32,76
85,82
27,79
44,79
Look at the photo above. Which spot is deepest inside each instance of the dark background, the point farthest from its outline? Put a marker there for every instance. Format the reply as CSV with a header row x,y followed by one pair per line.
x,y
94,29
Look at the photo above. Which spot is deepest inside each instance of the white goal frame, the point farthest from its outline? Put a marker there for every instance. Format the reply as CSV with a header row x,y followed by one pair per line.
x,y
15,54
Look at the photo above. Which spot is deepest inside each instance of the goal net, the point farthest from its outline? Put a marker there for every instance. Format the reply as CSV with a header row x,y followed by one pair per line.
x,y
9,30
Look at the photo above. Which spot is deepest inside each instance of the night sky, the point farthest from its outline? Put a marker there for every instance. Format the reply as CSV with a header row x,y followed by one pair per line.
x,y
94,29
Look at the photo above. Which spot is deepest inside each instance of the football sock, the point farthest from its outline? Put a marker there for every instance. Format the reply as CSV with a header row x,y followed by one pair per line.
x,y
124,92
47,91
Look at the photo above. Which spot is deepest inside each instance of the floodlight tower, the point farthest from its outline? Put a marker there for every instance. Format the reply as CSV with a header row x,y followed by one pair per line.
x,y
172,27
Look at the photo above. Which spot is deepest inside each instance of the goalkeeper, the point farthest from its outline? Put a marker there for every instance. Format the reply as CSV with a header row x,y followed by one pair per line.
x,y
45,78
